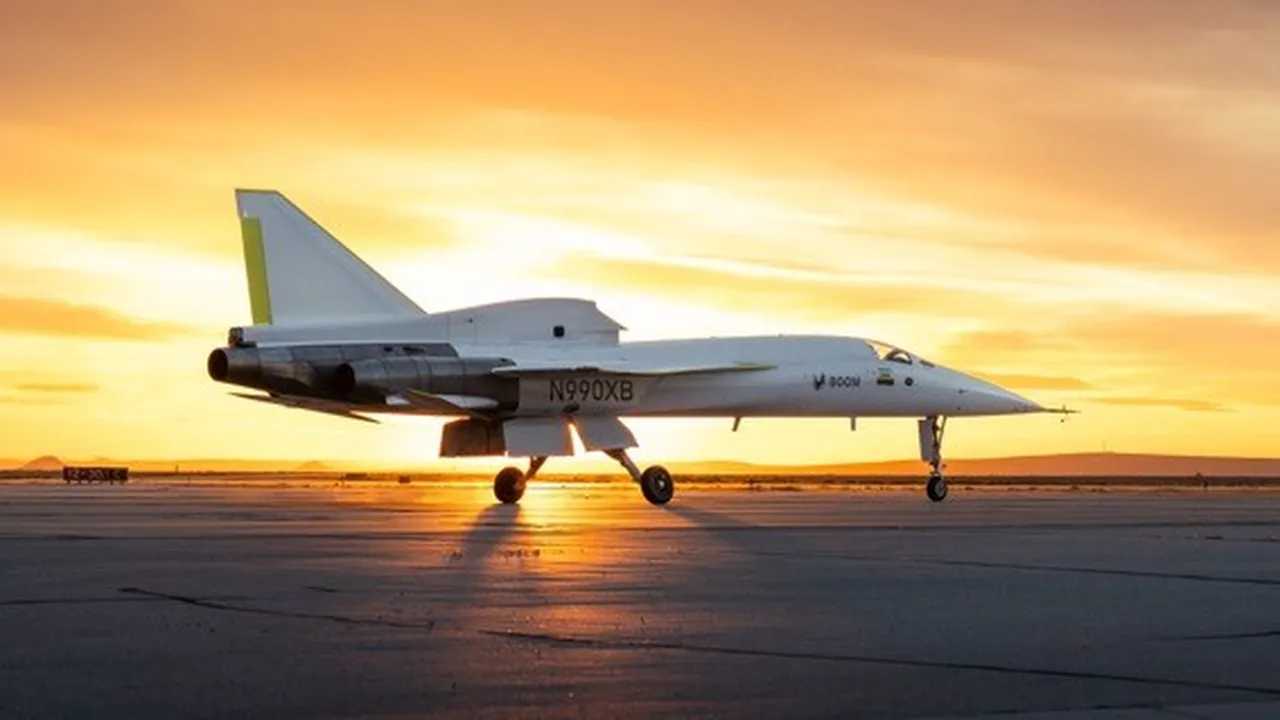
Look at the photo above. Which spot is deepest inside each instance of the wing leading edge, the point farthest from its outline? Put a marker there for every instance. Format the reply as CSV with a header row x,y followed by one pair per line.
x,y
626,368
320,406
465,405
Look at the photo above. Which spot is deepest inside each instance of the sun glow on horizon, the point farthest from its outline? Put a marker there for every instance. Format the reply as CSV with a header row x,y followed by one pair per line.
x,y
1069,217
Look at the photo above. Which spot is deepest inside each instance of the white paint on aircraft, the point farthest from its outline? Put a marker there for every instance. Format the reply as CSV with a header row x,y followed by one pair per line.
x,y
522,373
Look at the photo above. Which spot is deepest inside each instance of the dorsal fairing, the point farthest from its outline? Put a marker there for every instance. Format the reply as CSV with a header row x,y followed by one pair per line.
x,y
551,320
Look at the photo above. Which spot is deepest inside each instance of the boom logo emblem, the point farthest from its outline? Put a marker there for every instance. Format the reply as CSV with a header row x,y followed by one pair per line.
x,y
836,382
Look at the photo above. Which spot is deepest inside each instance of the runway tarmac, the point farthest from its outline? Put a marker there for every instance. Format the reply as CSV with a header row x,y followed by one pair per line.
x,y
159,599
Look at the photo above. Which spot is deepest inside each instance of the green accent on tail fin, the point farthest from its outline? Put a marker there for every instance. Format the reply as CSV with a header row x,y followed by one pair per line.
x,y
255,264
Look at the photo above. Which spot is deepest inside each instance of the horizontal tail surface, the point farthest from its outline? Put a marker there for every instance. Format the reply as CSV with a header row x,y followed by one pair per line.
x,y
299,274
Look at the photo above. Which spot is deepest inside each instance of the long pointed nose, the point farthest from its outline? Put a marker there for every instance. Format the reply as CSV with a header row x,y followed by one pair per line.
x,y
1012,400
980,397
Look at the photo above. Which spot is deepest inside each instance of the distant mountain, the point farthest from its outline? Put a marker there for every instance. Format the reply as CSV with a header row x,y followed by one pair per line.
x,y
1066,465
221,465
49,462
44,463
313,466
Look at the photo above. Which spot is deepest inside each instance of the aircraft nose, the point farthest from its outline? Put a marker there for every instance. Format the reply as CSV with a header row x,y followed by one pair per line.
x,y
989,398
1014,402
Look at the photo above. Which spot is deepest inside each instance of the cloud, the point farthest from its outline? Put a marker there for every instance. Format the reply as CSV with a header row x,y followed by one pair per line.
x,y
997,343
1127,339
35,316
1187,404
1036,382
760,290
1127,135
1208,343
9,399
1071,196
1226,358
45,387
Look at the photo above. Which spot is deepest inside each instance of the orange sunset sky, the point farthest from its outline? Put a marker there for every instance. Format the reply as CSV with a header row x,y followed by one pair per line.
x,y
1075,199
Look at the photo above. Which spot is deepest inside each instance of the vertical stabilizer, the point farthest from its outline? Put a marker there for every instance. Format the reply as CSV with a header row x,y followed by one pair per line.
x,y
299,274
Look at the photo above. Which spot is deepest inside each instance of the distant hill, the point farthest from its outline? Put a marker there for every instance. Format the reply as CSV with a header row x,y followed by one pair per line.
x,y
220,465
1066,465
313,466
49,462
44,463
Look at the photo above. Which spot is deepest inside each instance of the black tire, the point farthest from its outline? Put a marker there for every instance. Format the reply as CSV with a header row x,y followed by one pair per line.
x,y
508,486
937,488
657,485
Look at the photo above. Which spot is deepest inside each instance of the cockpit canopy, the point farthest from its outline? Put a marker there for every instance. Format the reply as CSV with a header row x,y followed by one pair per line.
x,y
889,353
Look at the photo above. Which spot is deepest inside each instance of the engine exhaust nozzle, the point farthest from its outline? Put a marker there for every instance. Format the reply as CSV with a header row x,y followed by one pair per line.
x,y
240,366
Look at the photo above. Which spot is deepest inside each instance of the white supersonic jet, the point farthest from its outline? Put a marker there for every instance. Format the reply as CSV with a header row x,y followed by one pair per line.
x,y
331,335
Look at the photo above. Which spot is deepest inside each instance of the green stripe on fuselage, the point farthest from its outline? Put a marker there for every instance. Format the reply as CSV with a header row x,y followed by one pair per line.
x,y
255,264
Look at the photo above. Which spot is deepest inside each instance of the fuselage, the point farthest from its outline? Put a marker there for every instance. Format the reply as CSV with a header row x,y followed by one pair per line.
x,y
811,376
523,377
797,376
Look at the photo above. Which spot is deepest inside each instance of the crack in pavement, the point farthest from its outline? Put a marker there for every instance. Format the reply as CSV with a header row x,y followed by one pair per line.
x,y
1103,571
374,536
634,644
1031,568
250,609
966,526
1158,707
17,602
1229,636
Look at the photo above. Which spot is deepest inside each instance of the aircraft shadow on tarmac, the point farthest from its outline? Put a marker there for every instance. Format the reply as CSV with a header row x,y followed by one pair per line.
x,y
727,529
474,569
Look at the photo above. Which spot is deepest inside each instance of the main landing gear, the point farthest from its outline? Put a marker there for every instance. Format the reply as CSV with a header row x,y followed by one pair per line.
x,y
655,482
509,485
931,430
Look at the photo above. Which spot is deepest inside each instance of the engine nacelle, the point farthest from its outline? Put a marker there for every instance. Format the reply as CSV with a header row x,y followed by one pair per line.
x,y
362,373
374,378
272,369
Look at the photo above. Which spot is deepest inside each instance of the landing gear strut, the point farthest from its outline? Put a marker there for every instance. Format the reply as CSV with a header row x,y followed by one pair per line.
x,y
655,482
931,431
510,482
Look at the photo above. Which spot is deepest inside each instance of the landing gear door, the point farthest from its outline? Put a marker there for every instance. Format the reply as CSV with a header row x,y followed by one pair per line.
x,y
603,432
537,436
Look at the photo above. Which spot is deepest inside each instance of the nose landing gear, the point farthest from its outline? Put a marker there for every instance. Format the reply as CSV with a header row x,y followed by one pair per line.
x,y
937,487
931,431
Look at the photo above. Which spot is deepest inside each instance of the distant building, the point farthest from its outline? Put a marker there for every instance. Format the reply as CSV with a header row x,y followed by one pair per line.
x,y
91,475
